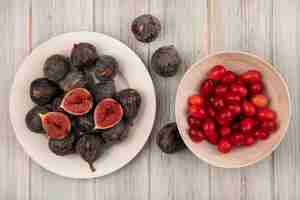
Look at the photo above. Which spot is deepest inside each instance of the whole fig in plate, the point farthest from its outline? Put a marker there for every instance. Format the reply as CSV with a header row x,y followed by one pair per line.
x,y
33,119
76,79
56,124
83,55
103,89
85,123
56,67
130,100
169,140
107,114
43,91
165,61
146,28
77,102
117,133
63,146
90,147
106,68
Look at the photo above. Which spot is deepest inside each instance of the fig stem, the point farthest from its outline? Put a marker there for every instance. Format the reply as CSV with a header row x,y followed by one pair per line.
x,y
92,167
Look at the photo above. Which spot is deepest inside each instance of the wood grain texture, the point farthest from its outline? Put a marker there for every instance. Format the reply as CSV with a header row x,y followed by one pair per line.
x,y
49,18
114,17
14,170
286,58
184,25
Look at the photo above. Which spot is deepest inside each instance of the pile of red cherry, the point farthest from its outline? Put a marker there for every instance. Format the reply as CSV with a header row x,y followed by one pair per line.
x,y
230,110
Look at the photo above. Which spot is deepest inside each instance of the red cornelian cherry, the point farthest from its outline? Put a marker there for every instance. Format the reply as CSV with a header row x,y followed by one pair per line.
x,y
237,139
232,98
224,146
225,131
197,112
217,102
196,135
194,122
210,111
212,137
249,140
221,89
247,125
208,125
261,135
224,117
207,88
260,100
229,77
196,100
256,88
269,126
266,114
239,89
235,108
251,76
248,108
217,72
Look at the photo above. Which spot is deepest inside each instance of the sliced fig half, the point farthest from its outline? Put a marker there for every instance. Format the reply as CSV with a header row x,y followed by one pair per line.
x,y
108,113
78,101
56,124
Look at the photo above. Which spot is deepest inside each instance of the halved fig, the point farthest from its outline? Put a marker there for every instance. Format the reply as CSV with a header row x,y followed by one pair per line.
x,y
56,124
78,101
107,113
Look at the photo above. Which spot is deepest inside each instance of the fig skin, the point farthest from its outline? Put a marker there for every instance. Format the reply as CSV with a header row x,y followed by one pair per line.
x,y
116,134
64,146
103,89
130,100
168,139
83,55
165,61
56,67
85,123
106,68
146,28
90,147
33,119
43,91
76,79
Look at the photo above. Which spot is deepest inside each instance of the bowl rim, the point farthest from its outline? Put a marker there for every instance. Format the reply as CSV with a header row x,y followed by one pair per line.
x,y
274,70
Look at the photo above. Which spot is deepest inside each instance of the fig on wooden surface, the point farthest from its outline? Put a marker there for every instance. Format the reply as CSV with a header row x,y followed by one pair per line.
x,y
77,102
106,68
56,67
33,119
83,55
107,114
43,91
90,147
63,146
165,61
130,100
56,124
146,28
169,140
103,89
76,79
117,133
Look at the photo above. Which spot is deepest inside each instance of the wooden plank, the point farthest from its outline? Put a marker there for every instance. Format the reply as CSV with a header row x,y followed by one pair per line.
x,y
114,17
285,57
49,18
182,175
257,39
14,170
226,34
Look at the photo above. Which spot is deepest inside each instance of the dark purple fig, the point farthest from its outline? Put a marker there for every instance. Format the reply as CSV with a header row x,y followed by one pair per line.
x,y
168,139
56,67
33,119
76,79
83,55
63,146
106,68
103,89
43,91
130,100
117,133
146,28
165,61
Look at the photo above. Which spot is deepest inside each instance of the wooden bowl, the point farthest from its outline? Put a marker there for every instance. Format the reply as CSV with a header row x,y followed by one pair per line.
x,y
276,88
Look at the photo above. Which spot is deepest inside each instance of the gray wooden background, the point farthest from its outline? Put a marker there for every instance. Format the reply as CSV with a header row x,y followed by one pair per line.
x,y
268,28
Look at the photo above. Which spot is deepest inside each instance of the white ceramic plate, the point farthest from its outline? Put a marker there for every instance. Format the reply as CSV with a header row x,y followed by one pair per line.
x,y
133,73
276,88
